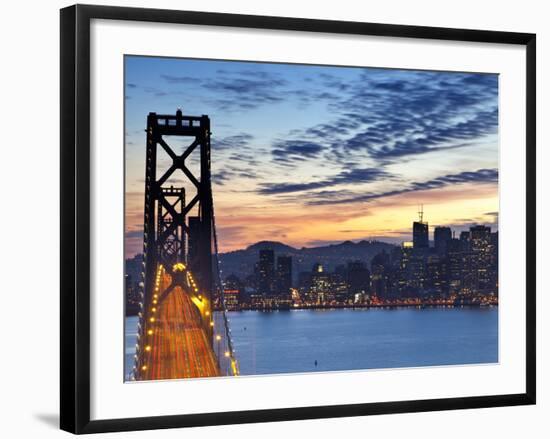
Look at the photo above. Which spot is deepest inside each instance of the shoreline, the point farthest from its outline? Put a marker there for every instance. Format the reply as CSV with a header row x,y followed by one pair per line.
x,y
358,306
363,306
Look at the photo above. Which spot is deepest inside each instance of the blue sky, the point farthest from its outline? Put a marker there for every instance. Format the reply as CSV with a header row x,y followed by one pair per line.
x,y
312,154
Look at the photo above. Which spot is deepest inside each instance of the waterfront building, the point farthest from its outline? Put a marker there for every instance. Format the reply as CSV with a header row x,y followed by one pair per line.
x,y
133,298
233,290
454,265
358,277
436,275
339,289
304,282
483,254
380,275
266,272
284,276
320,285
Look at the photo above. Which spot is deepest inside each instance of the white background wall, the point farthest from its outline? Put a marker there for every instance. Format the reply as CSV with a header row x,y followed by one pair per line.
x,y
29,206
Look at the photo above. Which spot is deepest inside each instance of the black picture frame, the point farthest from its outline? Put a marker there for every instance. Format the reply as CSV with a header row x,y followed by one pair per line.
x,y
75,217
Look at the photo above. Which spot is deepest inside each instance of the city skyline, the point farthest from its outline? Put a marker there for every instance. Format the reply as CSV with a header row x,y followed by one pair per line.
x,y
454,271
312,155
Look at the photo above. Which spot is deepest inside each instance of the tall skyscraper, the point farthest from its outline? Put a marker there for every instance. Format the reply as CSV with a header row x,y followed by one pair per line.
x,y
358,277
455,259
266,272
320,285
442,236
465,240
481,243
436,275
380,274
421,238
420,235
401,276
284,275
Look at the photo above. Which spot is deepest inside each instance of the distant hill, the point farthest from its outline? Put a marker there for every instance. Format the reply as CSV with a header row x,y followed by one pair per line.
x,y
274,245
241,262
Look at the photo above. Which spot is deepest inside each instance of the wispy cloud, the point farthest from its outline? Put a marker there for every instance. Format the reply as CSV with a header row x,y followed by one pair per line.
x,y
234,142
479,176
288,151
245,89
352,176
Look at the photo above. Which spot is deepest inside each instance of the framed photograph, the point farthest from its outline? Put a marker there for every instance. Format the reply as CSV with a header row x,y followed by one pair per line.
x,y
268,218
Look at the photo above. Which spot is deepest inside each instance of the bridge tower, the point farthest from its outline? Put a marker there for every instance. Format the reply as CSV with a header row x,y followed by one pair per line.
x,y
169,212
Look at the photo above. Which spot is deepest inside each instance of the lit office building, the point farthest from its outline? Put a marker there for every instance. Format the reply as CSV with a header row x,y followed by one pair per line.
x,y
284,275
320,285
266,272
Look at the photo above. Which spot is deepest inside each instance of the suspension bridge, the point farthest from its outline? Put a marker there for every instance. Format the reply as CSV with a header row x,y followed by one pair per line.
x,y
183,331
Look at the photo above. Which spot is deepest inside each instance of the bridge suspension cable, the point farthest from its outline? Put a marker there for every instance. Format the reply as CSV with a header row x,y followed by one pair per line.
x,y
229,361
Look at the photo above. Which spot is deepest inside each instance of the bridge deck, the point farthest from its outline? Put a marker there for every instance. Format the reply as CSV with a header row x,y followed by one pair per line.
x,y
179,347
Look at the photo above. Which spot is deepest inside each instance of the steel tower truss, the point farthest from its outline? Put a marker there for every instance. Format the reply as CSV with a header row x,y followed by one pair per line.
x,y
165,228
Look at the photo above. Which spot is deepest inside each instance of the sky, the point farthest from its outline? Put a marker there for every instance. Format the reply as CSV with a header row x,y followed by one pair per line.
x,y
311,155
